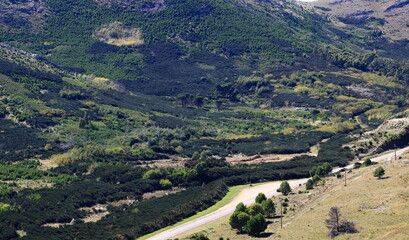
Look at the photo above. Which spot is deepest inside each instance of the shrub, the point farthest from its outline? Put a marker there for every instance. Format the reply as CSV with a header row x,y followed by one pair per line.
x,y
309,185
379,172
153,174
285,188
165,183
199,236
367,162
3,111
71,94
315,179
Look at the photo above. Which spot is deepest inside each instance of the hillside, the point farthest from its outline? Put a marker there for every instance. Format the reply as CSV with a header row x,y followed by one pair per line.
x,y
378,207
103,103
388,16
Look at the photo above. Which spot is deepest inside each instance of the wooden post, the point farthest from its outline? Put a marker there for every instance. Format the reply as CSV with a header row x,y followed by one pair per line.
x,y
281,218
345,178
395,152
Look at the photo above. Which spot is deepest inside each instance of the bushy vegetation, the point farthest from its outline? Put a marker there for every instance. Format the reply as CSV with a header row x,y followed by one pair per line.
x,y
197,80
251,219
379,172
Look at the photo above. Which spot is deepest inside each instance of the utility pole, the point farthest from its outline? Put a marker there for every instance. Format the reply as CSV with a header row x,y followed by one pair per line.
x,y
345,178
395,152
281,218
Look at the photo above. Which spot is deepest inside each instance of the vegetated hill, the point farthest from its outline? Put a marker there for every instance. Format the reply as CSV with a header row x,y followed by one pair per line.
x,y
184,46
389,16
253,114
367,201
391,134
104,87
247,74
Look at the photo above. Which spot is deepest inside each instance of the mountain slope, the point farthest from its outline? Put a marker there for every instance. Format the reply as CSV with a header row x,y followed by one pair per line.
x,y
243,35
388,16
377,207
104,101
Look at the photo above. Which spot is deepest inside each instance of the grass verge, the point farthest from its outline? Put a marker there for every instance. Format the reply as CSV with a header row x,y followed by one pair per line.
x,y
233,192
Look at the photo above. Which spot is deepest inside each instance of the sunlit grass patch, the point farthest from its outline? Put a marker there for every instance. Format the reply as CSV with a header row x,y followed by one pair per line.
x,y
116,33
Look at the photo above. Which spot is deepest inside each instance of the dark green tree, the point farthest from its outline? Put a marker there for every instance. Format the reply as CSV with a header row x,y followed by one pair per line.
x,y
367,162
196,156
309,185
269,207
255,209
238,220
84,121
240,207
379,172
327,168
315,179
256,225
260,198
285,188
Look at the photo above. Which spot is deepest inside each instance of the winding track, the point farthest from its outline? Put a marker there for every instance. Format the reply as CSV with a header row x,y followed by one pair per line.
x,y
247,196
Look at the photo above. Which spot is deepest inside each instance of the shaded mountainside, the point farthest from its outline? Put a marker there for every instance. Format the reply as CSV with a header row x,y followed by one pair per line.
x,y
232,37
92,93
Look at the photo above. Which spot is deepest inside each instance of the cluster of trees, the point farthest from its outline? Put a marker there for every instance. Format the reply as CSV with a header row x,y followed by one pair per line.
x,y
317,173
251,219
28,170
186,99
393,141
368,62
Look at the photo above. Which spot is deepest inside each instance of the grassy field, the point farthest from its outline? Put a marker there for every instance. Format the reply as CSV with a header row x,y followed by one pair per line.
x,y
378,207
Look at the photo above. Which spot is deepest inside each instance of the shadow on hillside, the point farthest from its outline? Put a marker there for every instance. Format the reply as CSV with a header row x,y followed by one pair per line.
x,y
265,235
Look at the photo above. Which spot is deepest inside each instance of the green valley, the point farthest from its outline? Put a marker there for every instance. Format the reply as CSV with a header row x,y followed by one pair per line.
x,y
104,103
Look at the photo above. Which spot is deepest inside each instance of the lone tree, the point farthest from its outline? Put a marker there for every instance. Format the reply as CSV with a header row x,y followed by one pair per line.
x,y
260,198
337,226
269,207
238,220
285,188
379,172
309,185
256,225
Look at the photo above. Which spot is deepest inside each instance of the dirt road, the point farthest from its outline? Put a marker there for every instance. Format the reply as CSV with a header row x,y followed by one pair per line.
x,y
390,156
247,196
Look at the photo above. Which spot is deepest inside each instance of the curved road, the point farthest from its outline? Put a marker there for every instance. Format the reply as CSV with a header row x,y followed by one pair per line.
x,y
247,196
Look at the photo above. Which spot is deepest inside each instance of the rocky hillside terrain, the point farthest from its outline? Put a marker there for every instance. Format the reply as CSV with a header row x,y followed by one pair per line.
x,y
389,16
